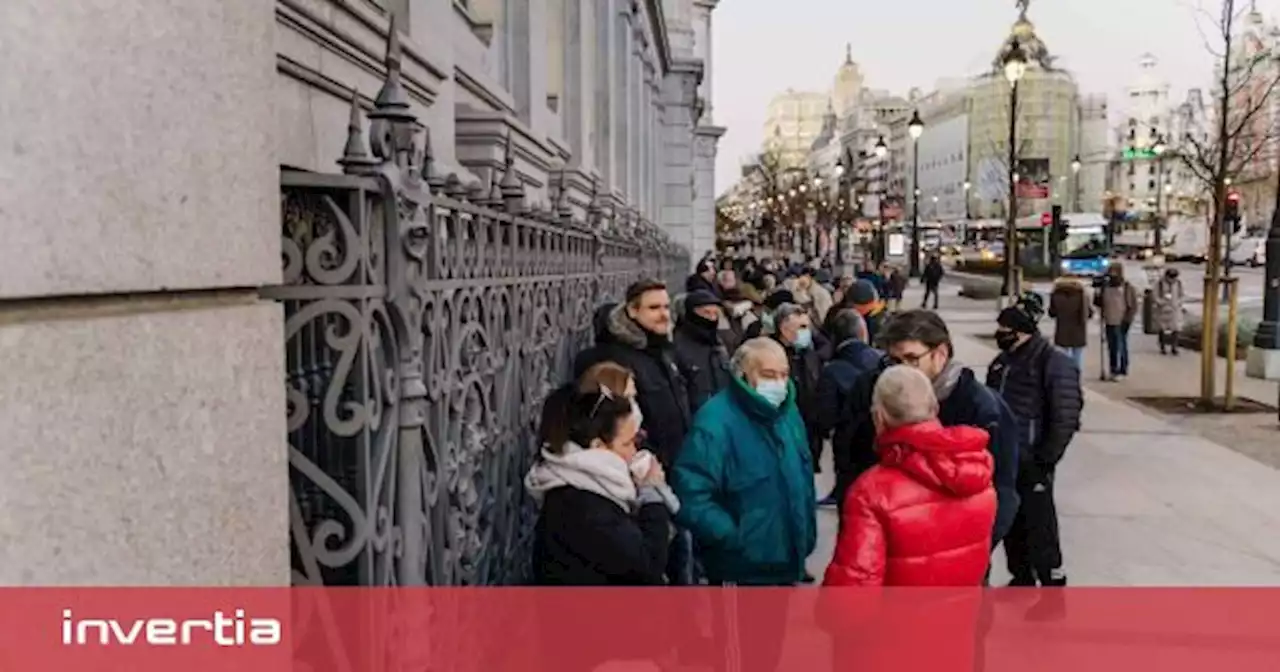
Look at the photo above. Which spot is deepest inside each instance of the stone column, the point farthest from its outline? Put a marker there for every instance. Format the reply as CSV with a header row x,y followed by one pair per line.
x,y
702,29
141,376
604,96
576,107
679,90
622,92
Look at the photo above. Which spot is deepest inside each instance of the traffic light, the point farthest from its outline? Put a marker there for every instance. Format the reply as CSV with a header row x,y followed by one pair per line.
x,y
1059,226
1231,211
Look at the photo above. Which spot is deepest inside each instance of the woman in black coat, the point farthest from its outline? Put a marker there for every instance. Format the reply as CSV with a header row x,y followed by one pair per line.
x,y
605,507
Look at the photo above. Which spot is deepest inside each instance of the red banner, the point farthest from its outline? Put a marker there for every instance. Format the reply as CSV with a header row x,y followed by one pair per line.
x,y
528,630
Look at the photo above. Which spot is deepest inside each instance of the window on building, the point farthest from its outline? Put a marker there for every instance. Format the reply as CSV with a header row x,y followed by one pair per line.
x,y
1151,185
1131,169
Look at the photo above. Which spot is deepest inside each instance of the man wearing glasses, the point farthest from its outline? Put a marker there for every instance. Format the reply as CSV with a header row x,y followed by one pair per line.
x,y
920,339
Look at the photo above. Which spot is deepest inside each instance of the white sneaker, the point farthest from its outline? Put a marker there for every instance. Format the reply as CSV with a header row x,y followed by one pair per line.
x,y
1118,378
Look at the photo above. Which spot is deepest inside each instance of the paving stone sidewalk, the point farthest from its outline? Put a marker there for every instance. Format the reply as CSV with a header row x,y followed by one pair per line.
x,y
1143,501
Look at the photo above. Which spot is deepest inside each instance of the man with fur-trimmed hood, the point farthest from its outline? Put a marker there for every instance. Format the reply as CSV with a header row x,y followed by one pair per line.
x,y
637,335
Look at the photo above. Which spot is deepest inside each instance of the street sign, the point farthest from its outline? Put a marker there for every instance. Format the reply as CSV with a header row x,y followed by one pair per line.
x,y
1139,153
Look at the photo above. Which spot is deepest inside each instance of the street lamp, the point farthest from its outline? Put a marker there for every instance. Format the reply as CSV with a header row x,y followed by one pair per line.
x,y
1158,148
1015,66
1267,336
1075,184
916,128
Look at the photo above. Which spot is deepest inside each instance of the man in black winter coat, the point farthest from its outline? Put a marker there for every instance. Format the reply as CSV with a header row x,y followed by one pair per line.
x,y
1042,387
920,338
637,335
796,335
932,277
852,357
704,361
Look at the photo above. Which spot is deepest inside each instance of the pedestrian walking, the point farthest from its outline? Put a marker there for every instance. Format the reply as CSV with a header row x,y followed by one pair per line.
x,y
605,507
703,358
932,276
1071,310
896,285
1118,301
923,515
637,335
920,338
853,358
1168,297
1041,385
745,484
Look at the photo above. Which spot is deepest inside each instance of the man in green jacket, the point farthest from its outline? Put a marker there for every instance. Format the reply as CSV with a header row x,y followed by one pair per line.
x,y
745,475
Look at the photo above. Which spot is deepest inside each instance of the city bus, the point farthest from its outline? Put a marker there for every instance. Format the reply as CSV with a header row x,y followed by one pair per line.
x,y
1084,249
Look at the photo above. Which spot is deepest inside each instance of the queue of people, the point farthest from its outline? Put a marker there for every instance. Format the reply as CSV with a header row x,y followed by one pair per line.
x,y
683,451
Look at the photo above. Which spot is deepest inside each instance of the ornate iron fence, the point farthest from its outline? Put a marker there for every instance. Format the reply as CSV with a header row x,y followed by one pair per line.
x,y
425,323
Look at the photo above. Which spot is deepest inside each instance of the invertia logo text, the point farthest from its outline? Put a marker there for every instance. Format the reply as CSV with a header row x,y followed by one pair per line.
x,y
220,630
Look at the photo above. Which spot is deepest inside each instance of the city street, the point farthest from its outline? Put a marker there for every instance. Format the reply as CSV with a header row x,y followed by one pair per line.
x,y
1251,283
1143,501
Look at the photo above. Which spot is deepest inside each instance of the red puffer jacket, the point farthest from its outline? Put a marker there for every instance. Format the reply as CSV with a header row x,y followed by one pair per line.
x,y
923,516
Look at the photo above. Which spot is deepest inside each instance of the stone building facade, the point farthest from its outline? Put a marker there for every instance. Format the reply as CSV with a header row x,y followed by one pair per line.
x,y
141,150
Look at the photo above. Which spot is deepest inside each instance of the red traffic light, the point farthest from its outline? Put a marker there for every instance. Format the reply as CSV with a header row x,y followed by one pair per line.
x,y
1046,219
1233,196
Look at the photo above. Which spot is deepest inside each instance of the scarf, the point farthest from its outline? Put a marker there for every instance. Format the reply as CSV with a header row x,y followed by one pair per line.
x,y
947,380
599,472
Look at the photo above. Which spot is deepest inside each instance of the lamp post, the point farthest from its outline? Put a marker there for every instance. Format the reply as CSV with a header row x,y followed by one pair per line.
x,y
916,128
1158,239
881,151
1267,337
1015,66
1075,184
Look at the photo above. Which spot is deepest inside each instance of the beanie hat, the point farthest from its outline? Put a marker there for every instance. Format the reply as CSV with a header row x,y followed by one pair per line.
x,y
778,298
863,292
1017,320
700,297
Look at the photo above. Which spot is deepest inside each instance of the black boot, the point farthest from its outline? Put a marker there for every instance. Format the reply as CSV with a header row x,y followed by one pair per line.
x,y
1023,582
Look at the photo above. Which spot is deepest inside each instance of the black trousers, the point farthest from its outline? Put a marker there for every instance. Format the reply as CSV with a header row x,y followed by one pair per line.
x,y
1032,547
930,290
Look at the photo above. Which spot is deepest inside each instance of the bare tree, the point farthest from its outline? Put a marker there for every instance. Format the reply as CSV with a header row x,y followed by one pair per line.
x,y
1245,86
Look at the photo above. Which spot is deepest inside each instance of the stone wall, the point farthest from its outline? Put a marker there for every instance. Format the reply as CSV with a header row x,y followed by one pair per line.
x,y
141,409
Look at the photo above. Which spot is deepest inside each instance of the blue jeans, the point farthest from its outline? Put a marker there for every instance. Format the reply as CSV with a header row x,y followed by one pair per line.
x,y
1118,349
1076,355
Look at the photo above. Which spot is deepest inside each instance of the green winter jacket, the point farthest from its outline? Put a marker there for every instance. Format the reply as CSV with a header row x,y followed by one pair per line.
x,y
745,482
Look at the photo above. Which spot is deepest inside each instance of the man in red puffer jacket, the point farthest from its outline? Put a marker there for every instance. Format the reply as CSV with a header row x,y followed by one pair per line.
x,y
923,516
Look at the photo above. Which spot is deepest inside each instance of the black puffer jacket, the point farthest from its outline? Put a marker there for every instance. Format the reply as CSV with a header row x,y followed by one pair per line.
x,y
661,387
962,400
704,361
1042,387
806,369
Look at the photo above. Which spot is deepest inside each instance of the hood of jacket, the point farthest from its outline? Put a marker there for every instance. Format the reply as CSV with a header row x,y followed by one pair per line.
x,y
596,471
1068,284
953,460
622,329
859,354
600,322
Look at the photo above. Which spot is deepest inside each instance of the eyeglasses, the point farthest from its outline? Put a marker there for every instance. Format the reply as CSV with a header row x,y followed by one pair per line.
x,y
911,359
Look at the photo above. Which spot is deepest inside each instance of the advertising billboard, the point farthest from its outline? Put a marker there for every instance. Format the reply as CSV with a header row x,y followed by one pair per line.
x,y
1033,178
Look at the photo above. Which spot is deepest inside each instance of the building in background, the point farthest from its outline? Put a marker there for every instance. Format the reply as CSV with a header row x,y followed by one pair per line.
x,y
944,153
1094,150
1254,55
848,87
793,121
1047,121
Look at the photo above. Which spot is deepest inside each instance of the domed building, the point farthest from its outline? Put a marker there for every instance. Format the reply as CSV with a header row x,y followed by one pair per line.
x,y
1047,128
847,90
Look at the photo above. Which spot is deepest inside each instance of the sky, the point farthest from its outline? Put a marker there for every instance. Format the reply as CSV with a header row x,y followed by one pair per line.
x,y
763,47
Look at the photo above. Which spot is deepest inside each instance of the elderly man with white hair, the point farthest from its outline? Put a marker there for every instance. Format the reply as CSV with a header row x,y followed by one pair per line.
x,y
745,478
923,516
745,482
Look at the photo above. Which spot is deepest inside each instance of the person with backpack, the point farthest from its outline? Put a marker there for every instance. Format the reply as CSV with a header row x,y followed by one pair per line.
x,y
1041,385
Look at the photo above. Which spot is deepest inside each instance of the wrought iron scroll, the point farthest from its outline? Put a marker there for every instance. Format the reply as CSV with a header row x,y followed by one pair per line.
x,y
425,322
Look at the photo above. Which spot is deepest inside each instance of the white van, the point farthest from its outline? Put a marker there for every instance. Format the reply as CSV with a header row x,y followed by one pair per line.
x,y
1250,252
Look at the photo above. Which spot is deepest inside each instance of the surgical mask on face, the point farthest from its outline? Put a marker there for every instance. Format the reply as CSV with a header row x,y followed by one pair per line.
x,y
1006,340
804,339
773,391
